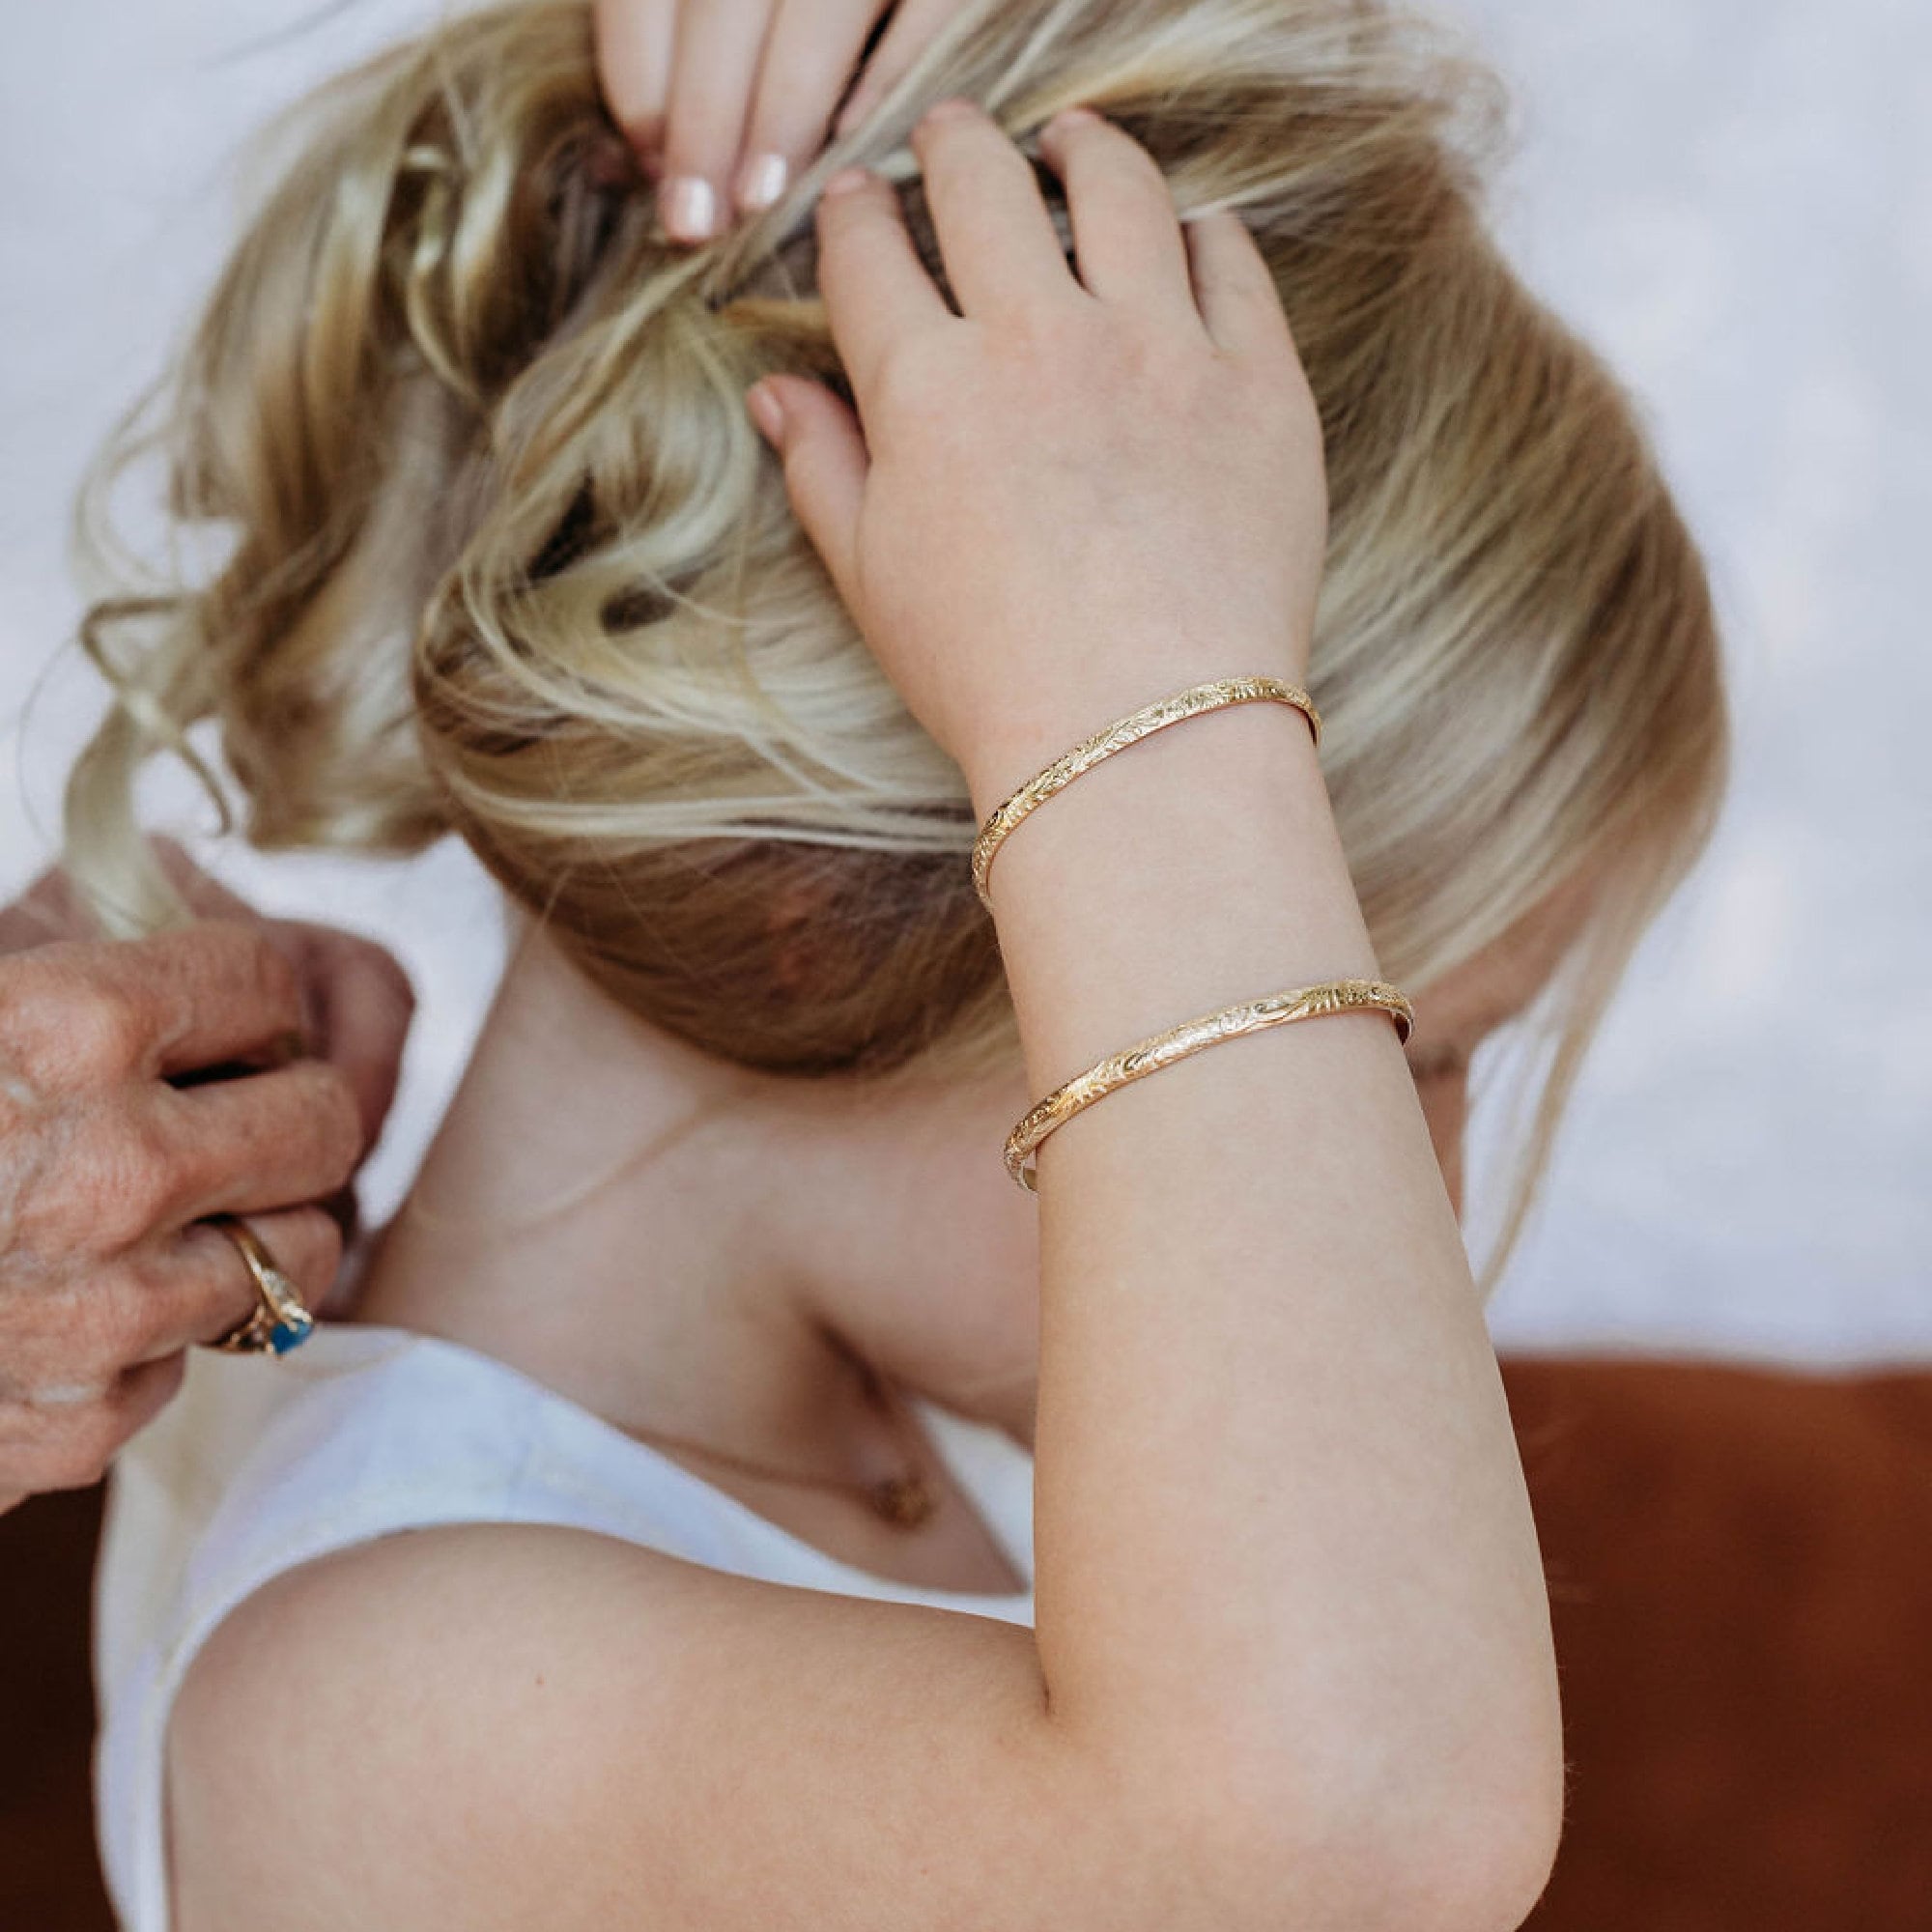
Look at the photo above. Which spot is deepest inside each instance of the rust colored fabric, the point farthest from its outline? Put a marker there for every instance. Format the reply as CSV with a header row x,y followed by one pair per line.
x,y
1741,1583
48,1879
1740,1578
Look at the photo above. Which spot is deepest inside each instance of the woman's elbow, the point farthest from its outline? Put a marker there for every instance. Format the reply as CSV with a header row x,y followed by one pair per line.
x,y
1406,1845
1471,1853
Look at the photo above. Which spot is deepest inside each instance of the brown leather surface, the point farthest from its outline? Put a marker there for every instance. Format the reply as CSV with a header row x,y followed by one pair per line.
x,y
1741,1574
49,1878
1741,1582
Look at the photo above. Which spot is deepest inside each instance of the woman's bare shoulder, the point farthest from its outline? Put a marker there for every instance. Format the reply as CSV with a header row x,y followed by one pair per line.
x,y
525,1725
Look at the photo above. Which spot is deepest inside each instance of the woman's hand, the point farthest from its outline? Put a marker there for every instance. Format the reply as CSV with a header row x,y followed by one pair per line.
x,y
112,1150
726,99
1077,495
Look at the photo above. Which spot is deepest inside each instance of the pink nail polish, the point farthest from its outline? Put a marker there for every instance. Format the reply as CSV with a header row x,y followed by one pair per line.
x,y
689,206
846,180
767,411
762,181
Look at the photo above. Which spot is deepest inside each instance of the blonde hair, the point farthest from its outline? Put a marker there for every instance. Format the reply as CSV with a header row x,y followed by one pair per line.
x,y
501,554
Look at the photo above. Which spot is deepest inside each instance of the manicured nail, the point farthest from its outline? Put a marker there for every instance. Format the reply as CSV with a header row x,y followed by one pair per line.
x,y
688,208
846,180
767,411
1073,117
762,181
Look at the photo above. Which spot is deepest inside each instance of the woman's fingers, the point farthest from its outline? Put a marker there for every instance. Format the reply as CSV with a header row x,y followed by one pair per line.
x,y
1127,235
915,26
809,58
718,45
727,101
102,1352
998,241
635,41
359,1006
81,1015
818,441
66,1438
203,1289
189,1288
241,1145
1234,290
876,290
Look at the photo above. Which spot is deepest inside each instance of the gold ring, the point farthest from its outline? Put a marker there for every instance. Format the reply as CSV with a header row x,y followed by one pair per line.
x,y
280,1323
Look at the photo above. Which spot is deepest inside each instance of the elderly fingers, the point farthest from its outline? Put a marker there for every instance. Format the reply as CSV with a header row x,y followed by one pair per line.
x,y
78,1016
65,1439
148,1159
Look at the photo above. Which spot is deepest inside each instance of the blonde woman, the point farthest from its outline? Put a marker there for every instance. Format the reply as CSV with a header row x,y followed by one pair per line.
x,y
805,1524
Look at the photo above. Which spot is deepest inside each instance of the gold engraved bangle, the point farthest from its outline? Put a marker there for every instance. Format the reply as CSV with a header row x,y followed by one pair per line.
x,y
1123,732
1162,1049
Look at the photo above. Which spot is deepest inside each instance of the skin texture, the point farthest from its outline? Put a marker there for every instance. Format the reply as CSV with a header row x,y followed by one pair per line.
x,y
1292,1661
795,1226
725,99
114,1143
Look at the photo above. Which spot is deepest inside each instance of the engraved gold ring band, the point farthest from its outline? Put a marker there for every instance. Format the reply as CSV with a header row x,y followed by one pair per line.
x,y
279,1323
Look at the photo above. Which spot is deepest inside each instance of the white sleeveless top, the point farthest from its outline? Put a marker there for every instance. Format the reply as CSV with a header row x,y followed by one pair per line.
x,y
261,1464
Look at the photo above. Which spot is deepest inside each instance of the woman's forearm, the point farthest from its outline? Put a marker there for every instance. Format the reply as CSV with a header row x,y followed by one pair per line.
x,y
1287,1580
1281,1523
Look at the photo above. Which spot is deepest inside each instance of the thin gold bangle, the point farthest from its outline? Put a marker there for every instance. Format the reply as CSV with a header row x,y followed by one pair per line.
x,y
1116,738
1162,1049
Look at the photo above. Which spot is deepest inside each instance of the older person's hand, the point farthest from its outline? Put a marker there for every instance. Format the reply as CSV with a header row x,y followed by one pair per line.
x,y
726,99
243,1066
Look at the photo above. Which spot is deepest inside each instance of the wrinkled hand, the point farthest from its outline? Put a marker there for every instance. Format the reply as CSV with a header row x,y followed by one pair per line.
x,y
112,1150
1078,494
726,100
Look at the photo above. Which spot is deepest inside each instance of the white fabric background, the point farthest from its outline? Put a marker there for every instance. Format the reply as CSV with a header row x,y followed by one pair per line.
x,y
1733,199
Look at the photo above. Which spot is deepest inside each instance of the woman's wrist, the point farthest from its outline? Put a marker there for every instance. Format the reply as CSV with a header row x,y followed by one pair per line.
x,y
1196,867
1033,730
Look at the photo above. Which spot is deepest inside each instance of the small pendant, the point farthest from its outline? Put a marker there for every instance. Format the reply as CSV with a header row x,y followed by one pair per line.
x,y
903,1502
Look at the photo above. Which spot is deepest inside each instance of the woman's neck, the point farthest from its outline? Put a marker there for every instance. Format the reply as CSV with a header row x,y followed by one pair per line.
x,y
689,1248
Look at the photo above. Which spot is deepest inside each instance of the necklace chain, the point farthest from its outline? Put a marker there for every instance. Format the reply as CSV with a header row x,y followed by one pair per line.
x,y
904,1501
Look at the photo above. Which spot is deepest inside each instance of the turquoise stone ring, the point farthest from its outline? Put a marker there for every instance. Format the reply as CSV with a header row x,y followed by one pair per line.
x,y
279,1323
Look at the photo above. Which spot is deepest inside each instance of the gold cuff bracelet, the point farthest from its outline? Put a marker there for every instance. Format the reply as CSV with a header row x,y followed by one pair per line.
x,y
1123,732
1162,1049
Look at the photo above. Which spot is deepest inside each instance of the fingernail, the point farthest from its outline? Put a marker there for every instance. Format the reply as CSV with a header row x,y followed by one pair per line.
x,y
1073,117
762,181
688,208
767,411
846,180
951,109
